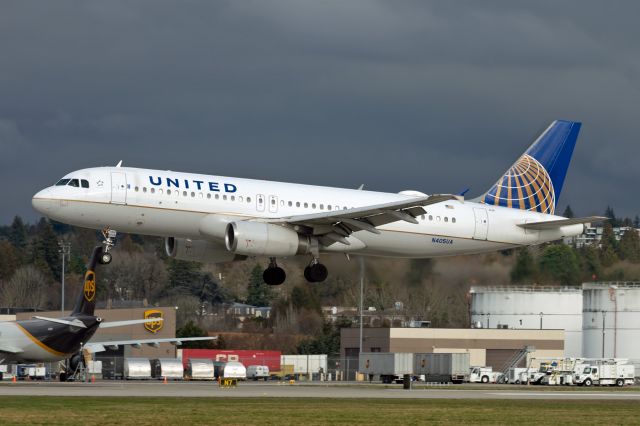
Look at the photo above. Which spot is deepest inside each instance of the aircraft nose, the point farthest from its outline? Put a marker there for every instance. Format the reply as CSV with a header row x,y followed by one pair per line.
x,y
42,202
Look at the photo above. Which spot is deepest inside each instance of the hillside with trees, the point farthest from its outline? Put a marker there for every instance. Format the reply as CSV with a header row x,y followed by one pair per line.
x,y
427,289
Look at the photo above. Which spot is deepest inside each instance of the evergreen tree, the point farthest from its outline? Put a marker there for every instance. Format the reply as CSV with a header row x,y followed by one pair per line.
x,y
327,342
568,212
184,275
608,246
45,252
191,329
9,260
18,234
591,262
525,269
612,216
559,264
258,293
629,247
304,297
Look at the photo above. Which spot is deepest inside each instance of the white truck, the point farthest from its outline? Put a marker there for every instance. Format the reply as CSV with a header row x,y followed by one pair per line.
x,y
483,375
258,372
606,374
518,375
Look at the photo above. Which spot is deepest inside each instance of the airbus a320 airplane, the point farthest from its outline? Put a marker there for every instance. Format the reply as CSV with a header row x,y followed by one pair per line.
x,y
222,219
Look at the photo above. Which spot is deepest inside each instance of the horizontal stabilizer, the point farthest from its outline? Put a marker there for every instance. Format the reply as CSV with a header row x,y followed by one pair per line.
x,y
10,349
554,224
128,322
73,323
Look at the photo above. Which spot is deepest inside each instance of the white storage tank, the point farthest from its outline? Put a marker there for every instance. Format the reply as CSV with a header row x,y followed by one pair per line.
x,y
531,307
611,324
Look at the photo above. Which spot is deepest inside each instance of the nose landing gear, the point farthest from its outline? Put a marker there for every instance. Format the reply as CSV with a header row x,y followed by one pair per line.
x,y
109,241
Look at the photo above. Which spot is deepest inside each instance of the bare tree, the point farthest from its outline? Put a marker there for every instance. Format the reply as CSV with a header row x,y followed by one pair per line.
x,y
26,288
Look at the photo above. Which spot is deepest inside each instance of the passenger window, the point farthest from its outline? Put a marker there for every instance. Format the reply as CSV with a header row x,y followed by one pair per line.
x,y
63,182
217,196
321,206
184,193
313,206
430,217
248,199
75,183
153,190
168,191
193,194
273,201
144,189
297,203
224,197
290,204
136,189
306,205
328,206
446,219
453,220
233,198
344,208
85,183
208,196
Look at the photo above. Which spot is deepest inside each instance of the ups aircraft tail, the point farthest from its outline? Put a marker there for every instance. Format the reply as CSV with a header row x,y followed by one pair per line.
x,y
534,182
86,303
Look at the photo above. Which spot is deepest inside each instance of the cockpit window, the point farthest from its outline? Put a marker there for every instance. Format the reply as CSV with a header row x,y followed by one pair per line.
x,y
63,182
85,183
75,183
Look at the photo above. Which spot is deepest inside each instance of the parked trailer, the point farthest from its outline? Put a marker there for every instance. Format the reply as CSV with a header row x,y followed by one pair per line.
x,y
199,369
258,372
442,367
137,369
519,375
388,366
167,368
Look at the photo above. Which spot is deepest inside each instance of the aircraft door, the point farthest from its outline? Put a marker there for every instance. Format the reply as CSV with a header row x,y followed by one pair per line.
x,y
482,224
273,203
118,188
260,202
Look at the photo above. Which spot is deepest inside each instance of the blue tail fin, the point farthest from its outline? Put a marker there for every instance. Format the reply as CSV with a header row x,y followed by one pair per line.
x,y
535,181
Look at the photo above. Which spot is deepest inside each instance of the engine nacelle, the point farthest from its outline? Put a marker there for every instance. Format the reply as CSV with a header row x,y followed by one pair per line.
x,y
264,239
199,251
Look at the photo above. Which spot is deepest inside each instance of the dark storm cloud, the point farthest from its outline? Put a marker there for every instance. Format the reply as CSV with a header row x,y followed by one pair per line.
x,y
433,96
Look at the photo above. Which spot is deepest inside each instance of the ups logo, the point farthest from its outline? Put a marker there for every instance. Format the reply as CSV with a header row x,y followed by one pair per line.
x,y
89,288
154,326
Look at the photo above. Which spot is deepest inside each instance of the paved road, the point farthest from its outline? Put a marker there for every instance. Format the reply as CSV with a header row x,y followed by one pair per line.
x,y
273,390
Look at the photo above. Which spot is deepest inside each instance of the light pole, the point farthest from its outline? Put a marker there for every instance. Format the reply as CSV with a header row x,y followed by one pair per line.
x,y
361,299
65,250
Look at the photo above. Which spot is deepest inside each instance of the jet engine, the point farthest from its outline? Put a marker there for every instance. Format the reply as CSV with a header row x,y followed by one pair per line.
x,y
264,239
199,251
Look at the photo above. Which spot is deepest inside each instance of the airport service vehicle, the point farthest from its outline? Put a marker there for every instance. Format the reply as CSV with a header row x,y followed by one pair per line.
x,y
305,364
518,375
137,369
606,374
229,370
219,219
389,367
258,372
167,368
199,369
43,339
483,375
442,367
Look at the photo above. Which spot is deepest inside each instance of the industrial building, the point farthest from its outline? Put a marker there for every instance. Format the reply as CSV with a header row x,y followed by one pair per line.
x,y
490,347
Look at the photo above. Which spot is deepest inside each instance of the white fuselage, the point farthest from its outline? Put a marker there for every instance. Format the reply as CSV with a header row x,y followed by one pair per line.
x,y
195,206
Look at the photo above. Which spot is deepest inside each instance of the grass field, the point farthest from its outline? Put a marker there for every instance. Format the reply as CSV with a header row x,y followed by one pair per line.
x,y
272,411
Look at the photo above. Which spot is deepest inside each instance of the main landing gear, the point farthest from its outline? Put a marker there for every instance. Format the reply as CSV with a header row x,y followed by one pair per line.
x,y
316,272
273,275
109,236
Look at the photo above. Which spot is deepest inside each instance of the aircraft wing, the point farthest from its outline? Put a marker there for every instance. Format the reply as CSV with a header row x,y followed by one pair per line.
x,y
337,224
94,347
554,224
110,324
10,349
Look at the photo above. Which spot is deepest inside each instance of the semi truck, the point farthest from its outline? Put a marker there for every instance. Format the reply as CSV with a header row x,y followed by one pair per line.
x,y
442,367
389,367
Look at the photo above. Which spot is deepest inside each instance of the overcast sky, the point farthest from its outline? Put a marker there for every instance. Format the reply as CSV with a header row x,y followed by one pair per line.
x,y
432,96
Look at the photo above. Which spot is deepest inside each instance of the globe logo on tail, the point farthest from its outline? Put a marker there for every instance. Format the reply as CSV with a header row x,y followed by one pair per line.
x,y
526,186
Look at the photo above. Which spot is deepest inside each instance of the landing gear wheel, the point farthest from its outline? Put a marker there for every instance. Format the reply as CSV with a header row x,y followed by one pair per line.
x,y
274,275
316,273
106,258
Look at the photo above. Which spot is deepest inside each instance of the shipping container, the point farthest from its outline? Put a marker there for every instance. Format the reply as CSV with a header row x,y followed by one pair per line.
x,y
169,368
306,364
247,357
230,370
137,369
199,369
442,367
387,366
